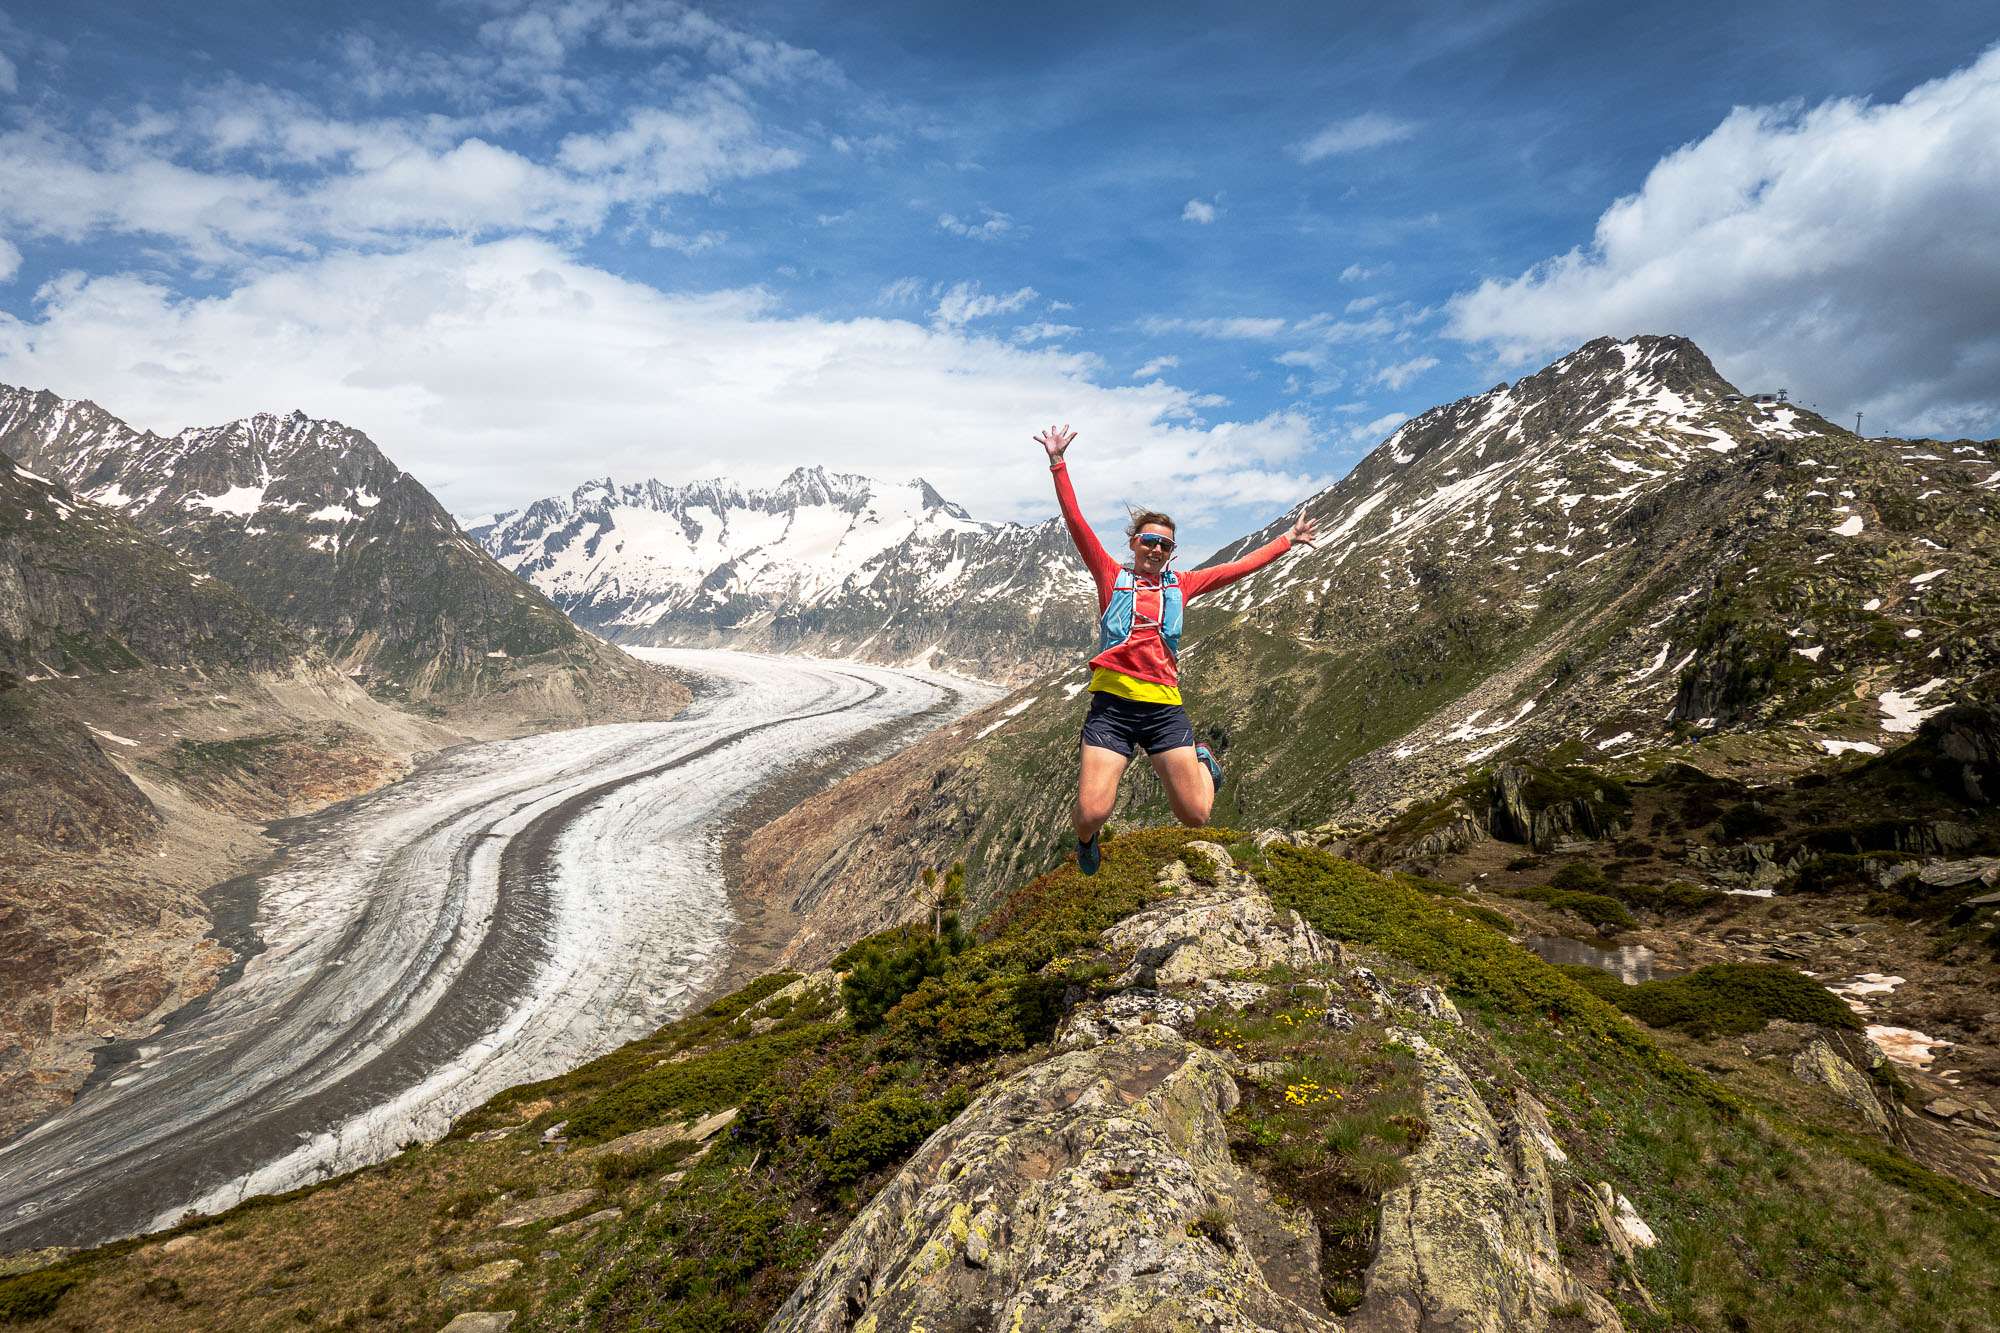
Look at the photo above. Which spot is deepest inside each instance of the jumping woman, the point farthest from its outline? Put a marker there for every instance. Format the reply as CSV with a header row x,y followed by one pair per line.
x,y
1135,699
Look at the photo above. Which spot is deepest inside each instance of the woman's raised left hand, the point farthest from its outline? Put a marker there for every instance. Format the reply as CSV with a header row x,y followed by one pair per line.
x,y
1304,532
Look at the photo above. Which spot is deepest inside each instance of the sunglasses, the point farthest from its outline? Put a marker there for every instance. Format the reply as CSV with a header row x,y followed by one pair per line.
x,y
1155,539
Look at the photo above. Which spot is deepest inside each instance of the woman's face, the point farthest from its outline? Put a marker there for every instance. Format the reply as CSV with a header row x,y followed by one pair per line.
x,y
1150,557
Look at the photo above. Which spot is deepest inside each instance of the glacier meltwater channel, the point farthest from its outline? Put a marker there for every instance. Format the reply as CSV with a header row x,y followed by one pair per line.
x,y
512,909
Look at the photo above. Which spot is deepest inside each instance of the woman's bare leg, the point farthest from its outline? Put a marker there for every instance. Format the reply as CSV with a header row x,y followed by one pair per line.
x,y
1097,789
1190,789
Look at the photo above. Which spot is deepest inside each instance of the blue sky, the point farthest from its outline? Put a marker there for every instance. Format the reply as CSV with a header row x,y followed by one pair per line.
x,y
525,242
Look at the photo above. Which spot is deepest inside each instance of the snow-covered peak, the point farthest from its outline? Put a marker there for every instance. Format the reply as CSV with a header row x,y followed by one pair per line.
x,y
652,547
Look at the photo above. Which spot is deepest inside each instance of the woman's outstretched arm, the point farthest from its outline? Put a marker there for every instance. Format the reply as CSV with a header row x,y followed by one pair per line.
x,y
1198,581
1103,569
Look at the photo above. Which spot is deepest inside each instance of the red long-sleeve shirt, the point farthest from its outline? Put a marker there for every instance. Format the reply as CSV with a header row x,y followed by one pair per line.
x,y
1143,658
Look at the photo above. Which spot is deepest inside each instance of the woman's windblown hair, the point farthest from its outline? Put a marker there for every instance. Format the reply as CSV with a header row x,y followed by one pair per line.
x,y
1144,517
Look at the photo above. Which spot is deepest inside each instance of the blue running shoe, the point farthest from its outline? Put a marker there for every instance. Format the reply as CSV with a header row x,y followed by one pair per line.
x,y
1207,758
1088,855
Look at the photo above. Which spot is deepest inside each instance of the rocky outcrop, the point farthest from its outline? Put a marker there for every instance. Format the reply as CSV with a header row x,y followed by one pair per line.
x,y
1093,1191
1470,1242
1959,750
1817,1062
1096,1190
1525,805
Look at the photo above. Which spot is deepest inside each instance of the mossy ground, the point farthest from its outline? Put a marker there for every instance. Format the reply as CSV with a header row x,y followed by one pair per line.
x,y
1766,1220
1329,1125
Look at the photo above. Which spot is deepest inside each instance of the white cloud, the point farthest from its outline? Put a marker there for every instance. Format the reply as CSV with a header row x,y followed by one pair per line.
x,y
526,47
1044,331
903,291
1370,129
687,245
1356,273
964,302
10,260
1362,304
503,371
1372,433
1152,368
711,137
1403,372
355,182
1239,326
1198,210
995,225
835,219
1836,250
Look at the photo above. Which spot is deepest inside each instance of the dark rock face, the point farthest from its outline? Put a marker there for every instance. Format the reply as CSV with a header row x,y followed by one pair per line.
x,y
1959,750
1529,805
314,526
83,591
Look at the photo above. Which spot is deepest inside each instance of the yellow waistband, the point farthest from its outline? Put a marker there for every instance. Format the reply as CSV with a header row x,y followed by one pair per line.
x,y
1103,680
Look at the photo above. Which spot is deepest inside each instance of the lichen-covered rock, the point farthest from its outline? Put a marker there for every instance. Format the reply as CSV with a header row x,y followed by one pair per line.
x,y
1127,1011
1213,932
1469,1242
1819,1063
1093,1191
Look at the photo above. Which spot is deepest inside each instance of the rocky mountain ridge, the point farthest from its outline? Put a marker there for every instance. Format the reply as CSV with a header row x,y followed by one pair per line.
x,y
1617,560
828,563
316,527
1228,1083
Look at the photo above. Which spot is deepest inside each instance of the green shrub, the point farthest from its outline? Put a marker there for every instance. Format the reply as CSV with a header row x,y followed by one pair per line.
x,y
1481,967
882,1130
1595,980
886,966
33,1295
620,1167
708,1082
467,1202
1731,999
1748,819
1595,908
1676,896
1584,876
966,1016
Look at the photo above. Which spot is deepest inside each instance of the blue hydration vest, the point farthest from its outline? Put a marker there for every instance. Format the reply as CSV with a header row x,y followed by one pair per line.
x,y
1115,626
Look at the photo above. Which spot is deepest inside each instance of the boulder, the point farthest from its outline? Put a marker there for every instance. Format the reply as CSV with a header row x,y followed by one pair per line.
x,y
460,1285
583,1224
1212,931
1981,870
481,1321
1469,1241
1093,1191
527,1212
1817,1062
659,1136
1514,814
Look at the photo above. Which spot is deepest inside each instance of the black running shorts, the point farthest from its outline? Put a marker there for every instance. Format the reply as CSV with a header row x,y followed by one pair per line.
x,y
1119,724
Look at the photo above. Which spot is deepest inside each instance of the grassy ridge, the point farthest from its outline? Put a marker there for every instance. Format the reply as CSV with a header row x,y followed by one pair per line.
x,y
1765,1221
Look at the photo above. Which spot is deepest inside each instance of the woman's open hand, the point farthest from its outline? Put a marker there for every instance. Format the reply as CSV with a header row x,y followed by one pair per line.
x,y
1055,440
1304,532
